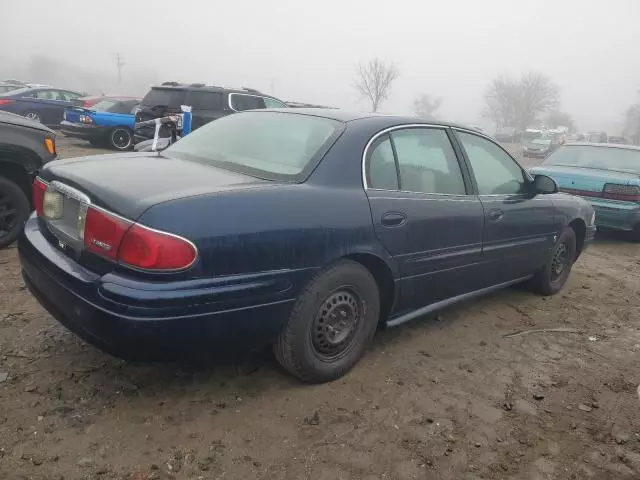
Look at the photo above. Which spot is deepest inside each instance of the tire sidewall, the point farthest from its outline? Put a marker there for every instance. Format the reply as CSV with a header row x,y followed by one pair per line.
x,y
23,209
355,277
113,145
567,236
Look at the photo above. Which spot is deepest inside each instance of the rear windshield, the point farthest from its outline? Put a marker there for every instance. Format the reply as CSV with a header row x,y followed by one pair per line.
x,y
104,105
620,159
541,141
269,145
531,135
165,97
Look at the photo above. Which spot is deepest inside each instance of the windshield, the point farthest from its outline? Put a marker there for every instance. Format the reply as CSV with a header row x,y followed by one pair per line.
x,y
166,97
621,159
271,145
541,141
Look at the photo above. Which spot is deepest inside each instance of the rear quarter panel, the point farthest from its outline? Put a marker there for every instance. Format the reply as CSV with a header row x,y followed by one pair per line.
x,y
297,227
107,119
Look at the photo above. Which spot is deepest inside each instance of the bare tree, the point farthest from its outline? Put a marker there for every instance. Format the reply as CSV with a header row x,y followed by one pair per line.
x,y
560,119
520,103
373,80
425,105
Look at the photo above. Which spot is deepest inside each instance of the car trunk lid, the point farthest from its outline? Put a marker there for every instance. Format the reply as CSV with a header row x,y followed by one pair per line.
x,y
588,182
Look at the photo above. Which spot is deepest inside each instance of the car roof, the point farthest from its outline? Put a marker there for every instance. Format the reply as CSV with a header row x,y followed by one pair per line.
x,y
351,116
210,88
603,145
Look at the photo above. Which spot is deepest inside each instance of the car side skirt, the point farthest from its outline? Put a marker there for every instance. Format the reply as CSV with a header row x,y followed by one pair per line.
x,y
394,322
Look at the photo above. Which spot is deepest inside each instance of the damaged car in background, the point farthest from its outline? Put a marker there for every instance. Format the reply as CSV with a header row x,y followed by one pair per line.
x,y
306,229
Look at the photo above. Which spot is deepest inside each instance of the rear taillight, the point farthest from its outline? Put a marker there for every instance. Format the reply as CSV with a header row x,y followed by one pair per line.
x,y
116,238
103,232
150,249
627,193
6,101
134,245
37,195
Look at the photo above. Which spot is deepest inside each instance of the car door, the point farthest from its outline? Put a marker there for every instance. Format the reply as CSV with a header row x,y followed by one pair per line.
x,y
424,213
519,230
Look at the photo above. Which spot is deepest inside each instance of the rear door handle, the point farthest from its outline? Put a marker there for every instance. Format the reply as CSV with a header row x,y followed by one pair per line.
x,y
496,215
393,219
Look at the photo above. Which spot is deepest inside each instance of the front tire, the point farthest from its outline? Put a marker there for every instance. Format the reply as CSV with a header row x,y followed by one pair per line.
x,y
121,138
14,210
550,279
331,324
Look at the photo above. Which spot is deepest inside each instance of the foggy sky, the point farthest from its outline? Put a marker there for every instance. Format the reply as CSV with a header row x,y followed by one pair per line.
x,y
306,51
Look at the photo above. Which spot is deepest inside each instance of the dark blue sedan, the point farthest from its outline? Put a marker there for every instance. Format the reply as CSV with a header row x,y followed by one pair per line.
x,y
307,229
45,105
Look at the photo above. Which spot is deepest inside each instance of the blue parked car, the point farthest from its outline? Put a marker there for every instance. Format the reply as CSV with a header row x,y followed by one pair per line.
x,y
108,123
304,228
45,105
607,175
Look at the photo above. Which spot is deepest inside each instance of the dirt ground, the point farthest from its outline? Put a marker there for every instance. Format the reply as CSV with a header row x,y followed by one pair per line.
x,y
479,391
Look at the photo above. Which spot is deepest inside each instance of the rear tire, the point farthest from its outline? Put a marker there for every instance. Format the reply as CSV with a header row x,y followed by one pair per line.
x,y
634,235
121,138
331,324
550,279
35,116
14,211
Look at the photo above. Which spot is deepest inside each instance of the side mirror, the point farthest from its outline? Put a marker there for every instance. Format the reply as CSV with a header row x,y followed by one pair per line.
x,y
545,184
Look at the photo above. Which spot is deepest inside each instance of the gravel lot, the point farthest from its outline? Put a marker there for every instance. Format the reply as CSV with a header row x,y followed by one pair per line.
x,y
479,391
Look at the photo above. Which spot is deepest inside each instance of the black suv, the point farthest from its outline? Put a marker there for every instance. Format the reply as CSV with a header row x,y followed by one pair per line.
x,y
25,145
207,103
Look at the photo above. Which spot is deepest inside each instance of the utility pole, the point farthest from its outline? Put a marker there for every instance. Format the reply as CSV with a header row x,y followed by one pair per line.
x,y
119,65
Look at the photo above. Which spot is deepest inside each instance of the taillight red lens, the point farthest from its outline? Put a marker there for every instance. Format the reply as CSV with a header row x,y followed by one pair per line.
x,y
627,193
103,233
149,249
6,101
133,245
37,195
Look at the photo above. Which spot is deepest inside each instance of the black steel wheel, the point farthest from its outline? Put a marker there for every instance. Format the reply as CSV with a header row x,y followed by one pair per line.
x,y
550,279
121,138
331,324
14,210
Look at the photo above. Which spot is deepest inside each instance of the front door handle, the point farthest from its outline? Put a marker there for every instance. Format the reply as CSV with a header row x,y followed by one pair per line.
x,y
496,215
393,219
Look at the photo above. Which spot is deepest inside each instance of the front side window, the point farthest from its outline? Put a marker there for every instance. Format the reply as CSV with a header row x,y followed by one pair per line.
x,y
496,172
269,145
427,161
240,102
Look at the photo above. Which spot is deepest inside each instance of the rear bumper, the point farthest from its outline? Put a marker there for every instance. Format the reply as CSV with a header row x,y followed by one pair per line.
x,y
130,318
85,132
616,215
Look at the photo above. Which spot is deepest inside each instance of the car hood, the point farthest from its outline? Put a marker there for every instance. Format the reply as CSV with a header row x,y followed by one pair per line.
x,y
13,119
128,184
586,179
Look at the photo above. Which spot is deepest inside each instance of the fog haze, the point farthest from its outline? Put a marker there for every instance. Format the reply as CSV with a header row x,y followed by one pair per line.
x,y
303,51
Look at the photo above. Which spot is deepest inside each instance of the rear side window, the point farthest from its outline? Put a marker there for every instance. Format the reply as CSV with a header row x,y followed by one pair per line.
x,y
203,100
166,97
382,173
241,102
273,103
427,162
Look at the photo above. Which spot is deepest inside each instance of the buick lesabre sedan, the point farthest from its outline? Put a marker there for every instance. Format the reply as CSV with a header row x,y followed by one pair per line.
x,y
305,229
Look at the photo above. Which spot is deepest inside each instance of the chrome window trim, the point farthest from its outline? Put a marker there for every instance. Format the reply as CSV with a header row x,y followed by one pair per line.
x,y
384,132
